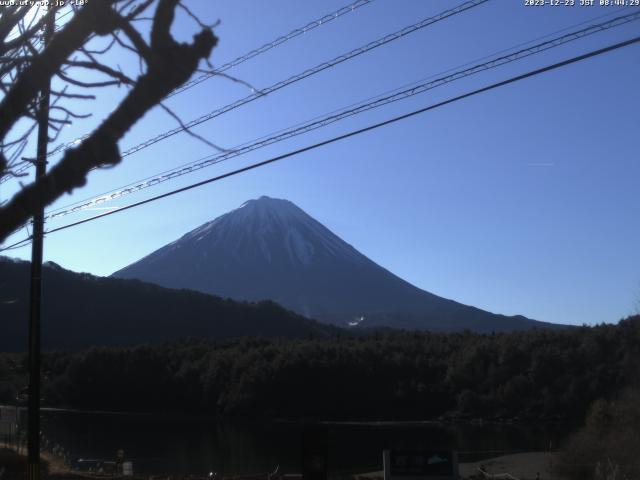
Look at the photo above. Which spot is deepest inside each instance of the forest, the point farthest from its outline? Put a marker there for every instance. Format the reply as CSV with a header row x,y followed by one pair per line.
x,y
535,375
116,312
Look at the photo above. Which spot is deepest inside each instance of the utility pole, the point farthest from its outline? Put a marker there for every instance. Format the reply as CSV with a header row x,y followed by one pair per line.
x,y
33,408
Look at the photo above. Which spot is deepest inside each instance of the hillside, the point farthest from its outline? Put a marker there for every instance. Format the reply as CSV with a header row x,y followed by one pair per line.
x,y
80,310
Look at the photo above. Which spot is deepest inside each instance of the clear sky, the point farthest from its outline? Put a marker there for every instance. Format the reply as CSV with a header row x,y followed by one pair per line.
x,y
523,200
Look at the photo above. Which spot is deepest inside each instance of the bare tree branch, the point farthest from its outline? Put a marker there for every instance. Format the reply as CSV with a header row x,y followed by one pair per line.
x,y
92,18
190,132
168,65
95,65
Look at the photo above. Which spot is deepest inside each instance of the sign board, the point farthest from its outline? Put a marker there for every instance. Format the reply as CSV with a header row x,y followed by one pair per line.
x,y
127,469
420,465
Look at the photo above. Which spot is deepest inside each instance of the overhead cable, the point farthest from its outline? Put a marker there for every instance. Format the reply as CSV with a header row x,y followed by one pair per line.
x,y
325,19
353,133
320,122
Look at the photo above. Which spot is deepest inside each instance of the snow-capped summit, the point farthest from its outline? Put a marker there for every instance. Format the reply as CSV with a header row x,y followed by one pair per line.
x,y
271,249
269,229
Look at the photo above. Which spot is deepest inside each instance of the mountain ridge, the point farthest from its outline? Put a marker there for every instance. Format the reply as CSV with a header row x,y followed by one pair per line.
x,y
80,310
271,249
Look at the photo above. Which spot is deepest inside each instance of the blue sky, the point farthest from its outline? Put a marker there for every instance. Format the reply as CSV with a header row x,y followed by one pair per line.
x,y
519,201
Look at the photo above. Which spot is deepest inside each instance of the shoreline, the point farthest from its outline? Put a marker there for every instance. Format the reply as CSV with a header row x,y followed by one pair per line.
x,y
442,420
521,466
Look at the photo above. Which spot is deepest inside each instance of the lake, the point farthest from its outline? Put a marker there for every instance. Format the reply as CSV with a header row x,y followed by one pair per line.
x,y
158,444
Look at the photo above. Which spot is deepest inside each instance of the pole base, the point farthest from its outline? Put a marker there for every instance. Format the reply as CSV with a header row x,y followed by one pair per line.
x,y
33,471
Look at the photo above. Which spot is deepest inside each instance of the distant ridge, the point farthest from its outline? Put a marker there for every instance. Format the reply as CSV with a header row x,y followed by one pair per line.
x,y
81,310
271,249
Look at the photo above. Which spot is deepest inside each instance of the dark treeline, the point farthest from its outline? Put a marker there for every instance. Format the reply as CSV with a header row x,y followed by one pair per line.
x,y
80,310
534,375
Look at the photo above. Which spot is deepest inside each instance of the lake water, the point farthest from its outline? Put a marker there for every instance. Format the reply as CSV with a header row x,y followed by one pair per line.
x,y
195,446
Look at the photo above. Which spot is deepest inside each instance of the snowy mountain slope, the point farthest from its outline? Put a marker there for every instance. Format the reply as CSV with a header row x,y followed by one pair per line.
x,y
271,249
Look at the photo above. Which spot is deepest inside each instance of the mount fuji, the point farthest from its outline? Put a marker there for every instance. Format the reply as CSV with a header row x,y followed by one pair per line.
x,y
271,249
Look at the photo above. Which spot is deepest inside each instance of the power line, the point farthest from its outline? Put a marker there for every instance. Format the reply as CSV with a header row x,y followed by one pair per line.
x,y
353,133
293,79
251,54
17,245
325,19
272,44
320,122
28,164
307,73
284,83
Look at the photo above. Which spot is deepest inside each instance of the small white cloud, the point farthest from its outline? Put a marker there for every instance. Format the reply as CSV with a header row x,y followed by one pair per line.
x,y
548,164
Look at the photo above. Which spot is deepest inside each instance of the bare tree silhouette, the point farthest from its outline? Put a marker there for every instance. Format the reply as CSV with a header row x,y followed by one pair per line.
x,y
26,67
